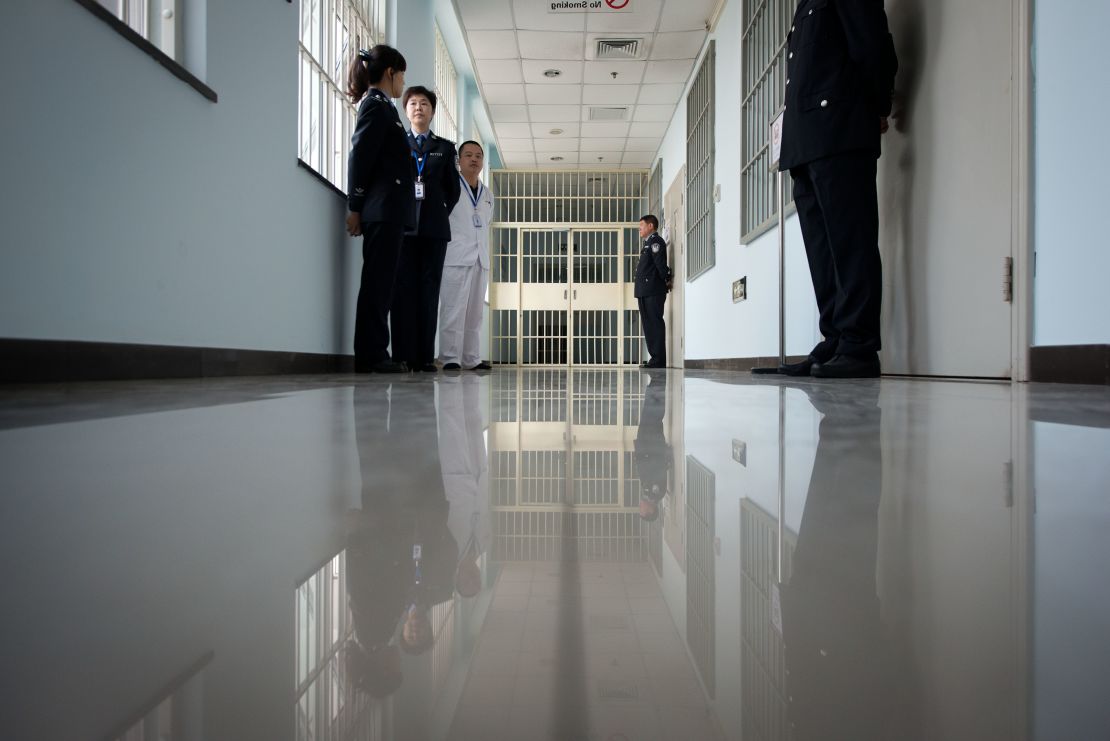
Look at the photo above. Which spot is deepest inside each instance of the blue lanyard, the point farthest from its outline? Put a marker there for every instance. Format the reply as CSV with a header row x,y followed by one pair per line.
x,y
421,160
470,193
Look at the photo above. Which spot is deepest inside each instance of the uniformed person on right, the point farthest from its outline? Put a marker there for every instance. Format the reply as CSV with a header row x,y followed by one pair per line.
x,y
839,81
653,280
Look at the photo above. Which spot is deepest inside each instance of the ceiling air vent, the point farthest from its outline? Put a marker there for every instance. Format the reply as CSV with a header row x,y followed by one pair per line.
x,y
607,113
620,48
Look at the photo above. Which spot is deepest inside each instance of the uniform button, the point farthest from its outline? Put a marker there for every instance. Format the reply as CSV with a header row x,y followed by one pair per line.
x,y
787,80
824,104
811,12
792,29
791,55
397,181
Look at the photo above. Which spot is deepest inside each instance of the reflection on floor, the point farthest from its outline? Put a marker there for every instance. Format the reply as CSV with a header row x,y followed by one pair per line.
x,y
551,554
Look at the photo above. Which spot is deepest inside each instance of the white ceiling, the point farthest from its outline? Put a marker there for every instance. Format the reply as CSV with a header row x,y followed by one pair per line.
x,y
513,42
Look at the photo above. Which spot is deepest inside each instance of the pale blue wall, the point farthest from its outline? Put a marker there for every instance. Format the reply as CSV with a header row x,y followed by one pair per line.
x,y
1071,56
135,210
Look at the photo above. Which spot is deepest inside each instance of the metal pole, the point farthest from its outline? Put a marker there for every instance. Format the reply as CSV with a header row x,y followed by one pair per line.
x,y
782,268
782,477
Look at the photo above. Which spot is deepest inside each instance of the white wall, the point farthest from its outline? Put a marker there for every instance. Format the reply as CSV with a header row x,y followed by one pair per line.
x,y
750,328
135,210
1071,303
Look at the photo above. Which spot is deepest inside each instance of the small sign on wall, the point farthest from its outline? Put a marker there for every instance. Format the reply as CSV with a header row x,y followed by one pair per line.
x,y
776,140
588,6
740,290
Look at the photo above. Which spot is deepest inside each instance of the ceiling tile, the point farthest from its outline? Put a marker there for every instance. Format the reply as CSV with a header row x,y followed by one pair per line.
x,y
657,93
485,14
600,159
567,158
637,15
513,130
608,129
552,45
543,130
508,113
656,129
603,144
610,94
516,145
555,113
493,44
684,45
688,15
653,113
519,161
534,69
554,94
601,73
495,94
494,72
557,145
536,15
664,72
639,159
643,144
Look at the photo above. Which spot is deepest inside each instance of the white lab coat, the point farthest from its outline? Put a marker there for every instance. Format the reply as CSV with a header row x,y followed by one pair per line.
x,y
465,277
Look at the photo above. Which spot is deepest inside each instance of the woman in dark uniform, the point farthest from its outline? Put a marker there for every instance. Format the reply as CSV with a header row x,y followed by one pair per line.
x,y
434,165
380,197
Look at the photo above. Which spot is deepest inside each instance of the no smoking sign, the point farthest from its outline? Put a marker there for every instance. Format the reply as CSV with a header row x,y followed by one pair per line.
x,y
588,6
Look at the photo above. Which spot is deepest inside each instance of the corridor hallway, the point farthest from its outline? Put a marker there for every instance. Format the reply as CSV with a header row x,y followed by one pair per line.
x,y
555,554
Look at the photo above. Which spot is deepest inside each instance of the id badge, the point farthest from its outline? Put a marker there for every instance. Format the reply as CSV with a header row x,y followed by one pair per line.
x,y
419,191
416,553
477,221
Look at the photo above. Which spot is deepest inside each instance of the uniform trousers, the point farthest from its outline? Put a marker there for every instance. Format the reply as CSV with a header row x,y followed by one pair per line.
x,y
416,300
461,306
838,210
655,329
381,248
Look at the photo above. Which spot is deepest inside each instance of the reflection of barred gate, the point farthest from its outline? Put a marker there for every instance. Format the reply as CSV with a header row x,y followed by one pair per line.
x,y
562,296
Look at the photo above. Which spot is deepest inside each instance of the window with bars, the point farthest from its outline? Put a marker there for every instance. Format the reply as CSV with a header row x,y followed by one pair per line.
x,y
766,24
331,31
700,238
447,90
653,202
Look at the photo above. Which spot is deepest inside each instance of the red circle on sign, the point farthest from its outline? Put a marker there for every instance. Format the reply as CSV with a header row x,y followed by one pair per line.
x,y
616,4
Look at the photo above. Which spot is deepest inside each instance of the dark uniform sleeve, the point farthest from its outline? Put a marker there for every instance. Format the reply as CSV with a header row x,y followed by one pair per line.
x,y
870,46
452,189
366,144
659,259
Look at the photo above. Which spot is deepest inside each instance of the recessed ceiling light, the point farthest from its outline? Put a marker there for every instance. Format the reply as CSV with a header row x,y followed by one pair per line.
x,y
556,159
555,132
552,73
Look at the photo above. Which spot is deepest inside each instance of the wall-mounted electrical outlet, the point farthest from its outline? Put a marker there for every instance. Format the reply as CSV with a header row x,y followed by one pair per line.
x,y
740,290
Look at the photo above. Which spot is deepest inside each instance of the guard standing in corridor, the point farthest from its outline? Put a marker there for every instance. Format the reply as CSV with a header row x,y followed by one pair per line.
x,y
653,280
840,71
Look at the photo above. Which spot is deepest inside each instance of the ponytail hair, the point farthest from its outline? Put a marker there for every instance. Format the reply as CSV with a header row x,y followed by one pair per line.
x,y
369,66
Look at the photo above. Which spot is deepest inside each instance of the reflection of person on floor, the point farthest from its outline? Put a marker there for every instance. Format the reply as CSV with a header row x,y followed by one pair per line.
x,y
653,454
403,507
837,668
462,453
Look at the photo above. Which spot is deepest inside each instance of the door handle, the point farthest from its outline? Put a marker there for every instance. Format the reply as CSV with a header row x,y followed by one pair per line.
x,y
575,294
564,295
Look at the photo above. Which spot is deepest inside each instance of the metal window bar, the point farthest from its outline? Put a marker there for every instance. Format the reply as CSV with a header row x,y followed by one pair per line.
x,y
446,88
766,25
700,238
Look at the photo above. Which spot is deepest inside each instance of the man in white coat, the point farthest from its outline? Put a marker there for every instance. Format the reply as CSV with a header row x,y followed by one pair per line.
x,y
466,269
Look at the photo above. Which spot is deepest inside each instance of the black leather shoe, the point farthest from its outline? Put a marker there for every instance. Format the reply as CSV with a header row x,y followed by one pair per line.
x,y
654,364
451,366
801,368
429,368
482,366
848,366
389,366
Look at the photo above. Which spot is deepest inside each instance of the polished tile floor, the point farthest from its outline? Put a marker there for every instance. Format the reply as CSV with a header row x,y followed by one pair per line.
x,y
552,554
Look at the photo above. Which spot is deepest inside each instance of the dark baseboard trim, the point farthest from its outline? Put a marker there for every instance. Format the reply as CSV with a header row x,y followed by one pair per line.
x,y
63,361
1088,364
740,364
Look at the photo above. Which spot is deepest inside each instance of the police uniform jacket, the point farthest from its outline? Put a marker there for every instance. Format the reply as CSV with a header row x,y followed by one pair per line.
x,y
840,71
441,185
469,244
652,273
379,179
